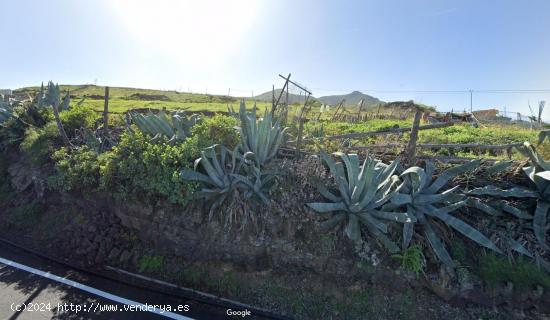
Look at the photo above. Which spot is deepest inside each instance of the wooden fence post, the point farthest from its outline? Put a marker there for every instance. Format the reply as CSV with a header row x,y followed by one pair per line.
x,y
106,112
410,150
300,129
62,132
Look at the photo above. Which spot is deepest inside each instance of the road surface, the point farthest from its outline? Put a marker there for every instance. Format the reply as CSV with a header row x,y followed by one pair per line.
x,y
35,288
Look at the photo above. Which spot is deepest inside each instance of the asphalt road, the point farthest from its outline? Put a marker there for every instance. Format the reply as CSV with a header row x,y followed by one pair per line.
x,y
69,294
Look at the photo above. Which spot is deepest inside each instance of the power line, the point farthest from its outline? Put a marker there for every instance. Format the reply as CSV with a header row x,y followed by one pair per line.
x,y
444,91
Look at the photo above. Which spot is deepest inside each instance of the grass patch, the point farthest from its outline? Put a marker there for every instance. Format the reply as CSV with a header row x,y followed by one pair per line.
x,y
412,259
26,215
524,274
151,264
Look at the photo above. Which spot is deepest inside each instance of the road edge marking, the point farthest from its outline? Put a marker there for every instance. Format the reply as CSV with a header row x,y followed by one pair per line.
x,y
94,291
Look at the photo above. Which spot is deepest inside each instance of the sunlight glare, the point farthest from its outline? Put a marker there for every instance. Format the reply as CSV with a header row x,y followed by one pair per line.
x,y
189,32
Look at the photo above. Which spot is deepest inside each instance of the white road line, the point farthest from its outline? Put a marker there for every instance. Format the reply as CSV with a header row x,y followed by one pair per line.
x,y
91,290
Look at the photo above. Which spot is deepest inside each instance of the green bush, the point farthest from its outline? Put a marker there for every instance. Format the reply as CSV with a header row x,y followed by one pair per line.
x,y
6,191
13,130
218,129
76,170
39,143
139,167
152,264
523,274
78,117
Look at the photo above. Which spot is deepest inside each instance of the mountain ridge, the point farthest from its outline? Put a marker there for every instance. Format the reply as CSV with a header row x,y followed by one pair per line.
x,y
351,99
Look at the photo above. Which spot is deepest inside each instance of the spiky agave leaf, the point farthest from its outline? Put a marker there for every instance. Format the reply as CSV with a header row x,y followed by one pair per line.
x,y
6,111
544,135
539,174
530,152
254,183
175,128
427,204
362,191
259,138
218,179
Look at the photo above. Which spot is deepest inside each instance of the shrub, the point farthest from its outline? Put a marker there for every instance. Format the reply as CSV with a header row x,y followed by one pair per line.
x,y
39,143
6,191
218,129
152,264
495,270
78,169
137,166
78,117
412,259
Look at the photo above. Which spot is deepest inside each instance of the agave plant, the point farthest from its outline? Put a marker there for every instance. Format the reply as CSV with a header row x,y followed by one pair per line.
x,y
260,138
52,97
95,140
177,127
6,111
544,135
362,191
222,176
421,197
539,174
254,184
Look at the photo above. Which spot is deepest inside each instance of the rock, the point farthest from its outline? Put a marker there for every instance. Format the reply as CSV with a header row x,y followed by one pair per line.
x,y
124,257
21,176
99,257
113,254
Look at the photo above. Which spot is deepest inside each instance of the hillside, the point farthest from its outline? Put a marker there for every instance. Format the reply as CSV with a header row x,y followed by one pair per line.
x,y
93,92
292,98
352,99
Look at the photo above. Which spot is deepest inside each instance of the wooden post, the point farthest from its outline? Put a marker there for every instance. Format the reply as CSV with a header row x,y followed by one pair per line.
x,y
360,107
273,98
62,132
285,116
106,112
410,150
300,129
285,86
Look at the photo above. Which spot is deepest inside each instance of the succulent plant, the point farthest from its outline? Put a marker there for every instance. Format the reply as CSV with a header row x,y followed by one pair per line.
x,y
260,138
51,97
539,174
423,200
223,176
6,111
95,140
177,127
254,183
362,191
544,135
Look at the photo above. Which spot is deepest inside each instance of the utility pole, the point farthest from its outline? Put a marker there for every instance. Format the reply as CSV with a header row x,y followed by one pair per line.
x,y
471,99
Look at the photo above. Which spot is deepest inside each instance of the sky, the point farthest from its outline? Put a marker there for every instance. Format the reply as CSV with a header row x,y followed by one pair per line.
x,y
429,51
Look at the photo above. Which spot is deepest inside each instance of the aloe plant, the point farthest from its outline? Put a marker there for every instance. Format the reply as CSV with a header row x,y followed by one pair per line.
x,y
261,138
421,197
539,174
362,191
177,127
